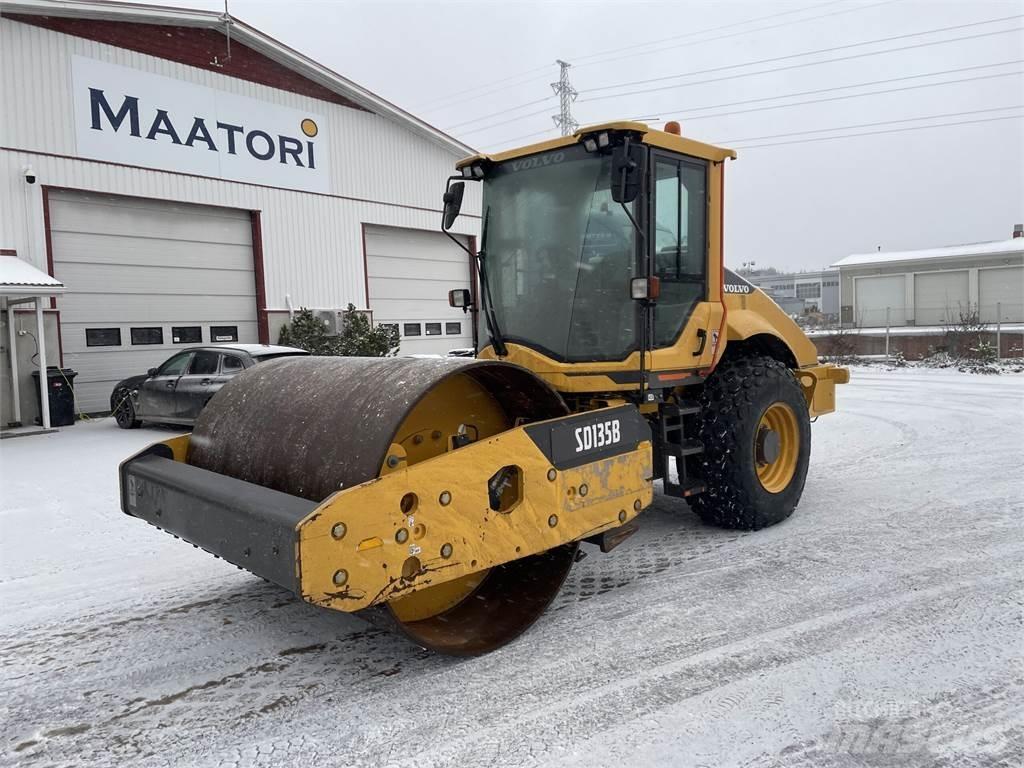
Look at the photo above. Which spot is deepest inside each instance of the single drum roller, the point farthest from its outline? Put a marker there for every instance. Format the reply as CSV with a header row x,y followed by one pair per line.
x,y
309,427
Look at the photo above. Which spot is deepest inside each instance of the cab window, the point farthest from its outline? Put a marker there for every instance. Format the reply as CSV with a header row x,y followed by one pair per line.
x,y
679,252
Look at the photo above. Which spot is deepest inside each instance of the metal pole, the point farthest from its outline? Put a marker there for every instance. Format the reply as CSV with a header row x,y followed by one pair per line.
x,y
886,333
44,384
12,348
999,328
566,96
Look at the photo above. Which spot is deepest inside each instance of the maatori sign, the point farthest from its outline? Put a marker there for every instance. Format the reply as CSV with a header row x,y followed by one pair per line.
x,y
128,116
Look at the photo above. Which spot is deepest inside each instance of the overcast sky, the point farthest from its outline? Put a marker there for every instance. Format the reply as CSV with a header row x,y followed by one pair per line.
x,y
797,205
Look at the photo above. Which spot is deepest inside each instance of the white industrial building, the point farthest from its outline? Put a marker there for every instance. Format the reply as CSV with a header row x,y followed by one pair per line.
x,y
931,287
191,180
798,292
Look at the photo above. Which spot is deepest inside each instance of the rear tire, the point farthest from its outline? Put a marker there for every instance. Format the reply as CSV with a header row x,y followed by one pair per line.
x,y
747,404
124,414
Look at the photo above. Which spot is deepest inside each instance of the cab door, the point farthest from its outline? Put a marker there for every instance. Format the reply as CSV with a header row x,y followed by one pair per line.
x,y
687,317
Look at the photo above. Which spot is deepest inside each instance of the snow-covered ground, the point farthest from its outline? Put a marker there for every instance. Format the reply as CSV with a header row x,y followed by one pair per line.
x,y
882,625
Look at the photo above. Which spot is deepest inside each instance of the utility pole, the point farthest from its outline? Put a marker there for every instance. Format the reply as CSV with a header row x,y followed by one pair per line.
x,y
566,96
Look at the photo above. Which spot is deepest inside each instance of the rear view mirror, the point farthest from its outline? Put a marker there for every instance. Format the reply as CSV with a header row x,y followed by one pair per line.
x,y
628,160
452,204
151,372
460,298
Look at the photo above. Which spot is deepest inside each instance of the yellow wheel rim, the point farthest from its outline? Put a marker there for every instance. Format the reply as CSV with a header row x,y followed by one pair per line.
x,y
777,447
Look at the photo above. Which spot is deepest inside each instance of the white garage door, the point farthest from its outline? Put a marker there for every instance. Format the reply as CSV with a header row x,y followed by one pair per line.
x,y
410,272
1001,289
939,297
144,278
874,295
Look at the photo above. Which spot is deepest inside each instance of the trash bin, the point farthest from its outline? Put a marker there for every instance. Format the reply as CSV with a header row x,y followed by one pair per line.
x,y
60,386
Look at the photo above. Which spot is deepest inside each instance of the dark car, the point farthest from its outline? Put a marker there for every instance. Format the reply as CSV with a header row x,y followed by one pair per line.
x,y
178,390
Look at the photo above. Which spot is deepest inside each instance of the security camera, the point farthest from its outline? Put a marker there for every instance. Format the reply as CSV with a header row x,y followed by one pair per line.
x,y
30,175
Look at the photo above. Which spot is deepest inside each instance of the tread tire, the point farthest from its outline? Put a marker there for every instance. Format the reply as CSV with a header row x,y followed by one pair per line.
x,y
735,397
124,414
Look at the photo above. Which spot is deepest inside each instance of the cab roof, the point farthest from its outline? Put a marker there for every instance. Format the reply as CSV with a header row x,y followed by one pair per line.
x,y
650,136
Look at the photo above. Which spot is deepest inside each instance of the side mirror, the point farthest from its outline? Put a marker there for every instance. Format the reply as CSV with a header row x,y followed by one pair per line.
x,y
645,288
452,204
628,162
460,298
151,372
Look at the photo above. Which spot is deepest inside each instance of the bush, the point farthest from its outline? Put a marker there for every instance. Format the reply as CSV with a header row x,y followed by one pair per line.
x,y
358,339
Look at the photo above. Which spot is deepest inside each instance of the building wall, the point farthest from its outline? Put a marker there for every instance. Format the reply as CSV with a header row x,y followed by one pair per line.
x,y
380,172
905,314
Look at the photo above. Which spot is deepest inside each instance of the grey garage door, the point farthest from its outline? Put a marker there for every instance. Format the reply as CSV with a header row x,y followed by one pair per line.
x,y
145,278
409,273
873,295
1001,289
939,297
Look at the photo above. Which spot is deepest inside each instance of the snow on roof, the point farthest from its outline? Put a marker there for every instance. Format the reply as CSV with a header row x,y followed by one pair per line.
x,y
996,247
19,278
102,10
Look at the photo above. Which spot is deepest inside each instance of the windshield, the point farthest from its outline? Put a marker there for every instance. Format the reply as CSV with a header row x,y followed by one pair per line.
x,y
559,255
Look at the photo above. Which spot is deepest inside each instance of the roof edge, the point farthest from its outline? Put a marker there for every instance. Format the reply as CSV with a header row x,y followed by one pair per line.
x,y
104,10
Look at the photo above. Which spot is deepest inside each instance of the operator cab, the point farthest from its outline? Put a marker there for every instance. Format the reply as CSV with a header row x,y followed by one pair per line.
x,y
597,246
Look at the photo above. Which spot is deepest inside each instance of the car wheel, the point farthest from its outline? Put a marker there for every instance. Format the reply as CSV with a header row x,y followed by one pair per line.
x,y
124,414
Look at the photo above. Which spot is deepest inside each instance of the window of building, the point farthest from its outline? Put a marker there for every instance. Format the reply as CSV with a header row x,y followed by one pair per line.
x,y
433,329
152,335
808,290
103,337
412,329
187,334
223,333
204,363
453,329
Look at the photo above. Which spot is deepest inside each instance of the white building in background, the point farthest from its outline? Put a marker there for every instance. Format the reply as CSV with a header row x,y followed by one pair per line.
x,y
185,193
797,292
931,287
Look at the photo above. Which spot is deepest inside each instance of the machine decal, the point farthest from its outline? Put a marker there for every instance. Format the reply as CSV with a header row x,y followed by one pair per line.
x,y
598,435
736,284
590,436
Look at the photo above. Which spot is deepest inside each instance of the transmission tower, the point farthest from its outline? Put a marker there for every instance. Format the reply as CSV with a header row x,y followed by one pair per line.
x,y
566,96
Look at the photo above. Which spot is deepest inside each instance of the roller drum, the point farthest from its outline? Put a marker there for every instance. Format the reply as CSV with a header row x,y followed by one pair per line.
x,y
310,426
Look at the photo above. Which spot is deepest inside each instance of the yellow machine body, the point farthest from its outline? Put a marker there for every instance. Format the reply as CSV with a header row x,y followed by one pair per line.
x,y
448,500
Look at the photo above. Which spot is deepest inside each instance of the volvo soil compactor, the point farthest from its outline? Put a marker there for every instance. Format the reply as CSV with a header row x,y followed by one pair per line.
x,y
447,498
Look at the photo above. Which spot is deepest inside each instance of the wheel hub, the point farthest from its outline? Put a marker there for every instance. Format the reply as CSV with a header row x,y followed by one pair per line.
x,y
777,447
768,445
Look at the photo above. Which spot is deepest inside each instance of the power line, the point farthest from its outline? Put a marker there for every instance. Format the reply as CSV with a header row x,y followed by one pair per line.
x,y
802,65
489,87
878,133
854,95
697,32
871,125
840,88
502,112
810,53
689,117
741,32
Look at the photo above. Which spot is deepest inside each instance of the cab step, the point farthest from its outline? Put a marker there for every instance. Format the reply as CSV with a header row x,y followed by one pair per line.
x,y
674,420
